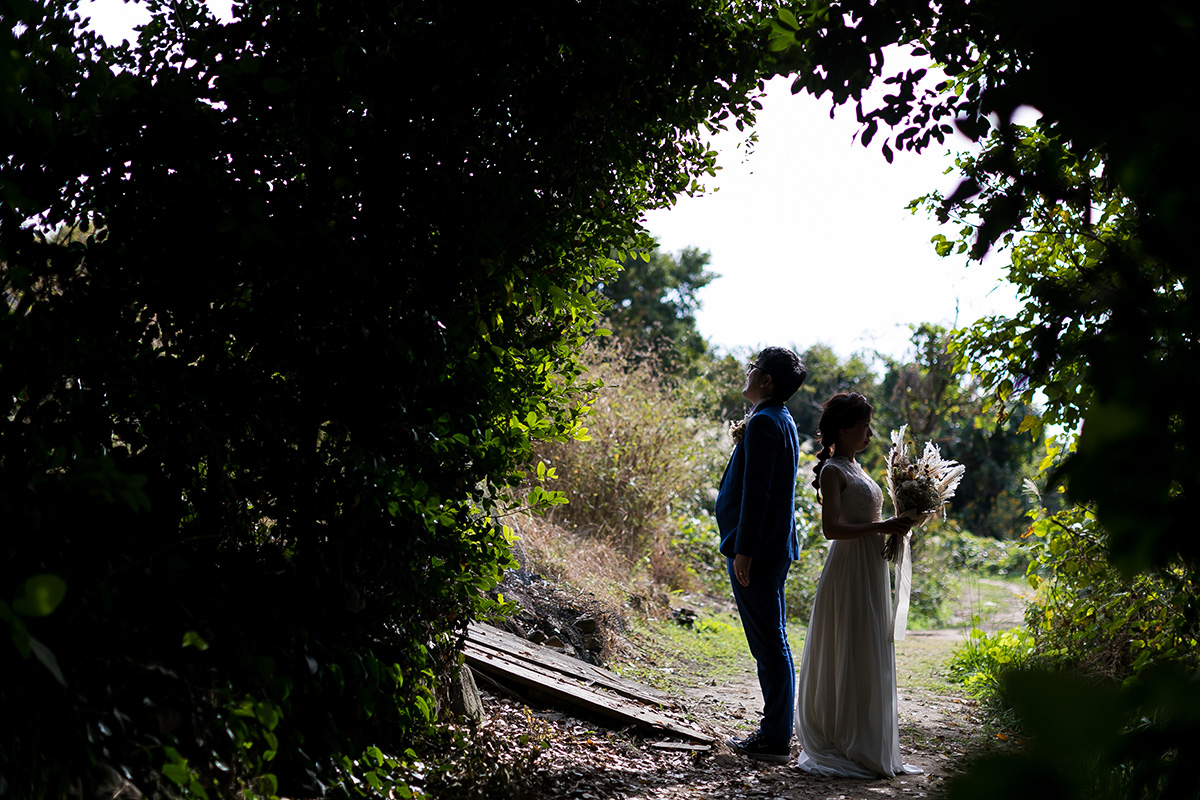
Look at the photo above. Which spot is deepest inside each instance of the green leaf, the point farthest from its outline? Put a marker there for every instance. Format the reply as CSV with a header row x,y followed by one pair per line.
x,y
178,773
788,18
1030,423
425,707
44,655
267,715
193,639
40,595
780,41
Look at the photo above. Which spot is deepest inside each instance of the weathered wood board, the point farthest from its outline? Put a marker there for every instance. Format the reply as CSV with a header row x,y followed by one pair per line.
x,y
491,638
565,681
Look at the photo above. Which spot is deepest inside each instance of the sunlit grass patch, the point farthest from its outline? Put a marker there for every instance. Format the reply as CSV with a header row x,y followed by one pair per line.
x,y
980,663
921,664
711,648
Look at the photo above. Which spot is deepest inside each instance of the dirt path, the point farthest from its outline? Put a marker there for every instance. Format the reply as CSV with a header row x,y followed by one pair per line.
x,y
938,729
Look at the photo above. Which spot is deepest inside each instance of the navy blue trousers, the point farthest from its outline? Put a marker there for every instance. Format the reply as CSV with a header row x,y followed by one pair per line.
x,y
761,606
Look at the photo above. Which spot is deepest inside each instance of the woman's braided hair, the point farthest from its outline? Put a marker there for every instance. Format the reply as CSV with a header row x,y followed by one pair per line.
x,y
843,410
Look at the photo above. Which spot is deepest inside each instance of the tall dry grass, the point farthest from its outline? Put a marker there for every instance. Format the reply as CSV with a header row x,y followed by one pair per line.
x,y
648,466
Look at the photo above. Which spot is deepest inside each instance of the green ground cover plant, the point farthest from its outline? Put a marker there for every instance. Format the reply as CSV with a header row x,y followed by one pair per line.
x,y
982,662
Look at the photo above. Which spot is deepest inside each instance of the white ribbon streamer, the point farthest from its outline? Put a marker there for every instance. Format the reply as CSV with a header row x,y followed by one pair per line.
x,y
903,590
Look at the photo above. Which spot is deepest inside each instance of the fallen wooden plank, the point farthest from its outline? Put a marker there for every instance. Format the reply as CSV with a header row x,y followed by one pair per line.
x,y
586,694
496,662
488,637
561,690
681,746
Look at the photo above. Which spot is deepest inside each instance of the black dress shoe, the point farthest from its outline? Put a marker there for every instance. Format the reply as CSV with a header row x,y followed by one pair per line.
x,y
761,748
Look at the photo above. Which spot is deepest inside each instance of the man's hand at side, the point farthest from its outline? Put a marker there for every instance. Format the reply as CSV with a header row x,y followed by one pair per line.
x,y
741,569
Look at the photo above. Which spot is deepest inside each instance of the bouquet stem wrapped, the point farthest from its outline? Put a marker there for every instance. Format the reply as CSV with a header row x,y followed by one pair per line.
x,y
919,487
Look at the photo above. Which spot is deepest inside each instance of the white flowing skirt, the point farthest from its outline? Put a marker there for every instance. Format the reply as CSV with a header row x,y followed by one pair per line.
x,y
846,699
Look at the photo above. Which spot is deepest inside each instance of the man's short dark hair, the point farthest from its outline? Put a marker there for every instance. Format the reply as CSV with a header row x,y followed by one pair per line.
x,y
786,369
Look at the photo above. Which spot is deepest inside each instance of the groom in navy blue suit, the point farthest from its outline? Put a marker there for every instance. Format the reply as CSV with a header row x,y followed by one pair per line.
x,y
756,519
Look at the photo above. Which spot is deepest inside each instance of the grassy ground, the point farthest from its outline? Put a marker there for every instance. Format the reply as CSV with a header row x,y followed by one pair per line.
x,y
706,668
671,655
921,662
714,650
990,603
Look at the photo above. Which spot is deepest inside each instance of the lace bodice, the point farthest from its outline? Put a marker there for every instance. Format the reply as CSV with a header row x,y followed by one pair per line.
x,y
862,499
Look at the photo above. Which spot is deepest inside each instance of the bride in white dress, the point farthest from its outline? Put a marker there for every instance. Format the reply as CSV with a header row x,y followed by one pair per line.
x,y
846,700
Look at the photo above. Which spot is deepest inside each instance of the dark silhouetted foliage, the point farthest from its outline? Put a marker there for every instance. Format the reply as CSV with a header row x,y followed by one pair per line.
x,y
339,263
1097,201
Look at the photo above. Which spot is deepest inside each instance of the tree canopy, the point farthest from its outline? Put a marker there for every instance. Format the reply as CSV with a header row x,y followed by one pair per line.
x,y
1094,200
1105,182
336,267
326,273
654,303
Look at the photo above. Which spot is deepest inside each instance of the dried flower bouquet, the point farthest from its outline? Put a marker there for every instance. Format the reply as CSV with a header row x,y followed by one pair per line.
x,y
919,485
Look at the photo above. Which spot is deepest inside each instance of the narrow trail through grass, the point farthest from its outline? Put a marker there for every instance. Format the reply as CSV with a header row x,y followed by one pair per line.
x,y
707,667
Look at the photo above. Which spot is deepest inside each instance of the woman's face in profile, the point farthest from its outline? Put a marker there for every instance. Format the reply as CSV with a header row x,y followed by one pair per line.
x,y
855,438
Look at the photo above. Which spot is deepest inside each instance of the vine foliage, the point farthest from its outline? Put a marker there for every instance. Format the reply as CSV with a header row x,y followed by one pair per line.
x,y
289,301
1095,202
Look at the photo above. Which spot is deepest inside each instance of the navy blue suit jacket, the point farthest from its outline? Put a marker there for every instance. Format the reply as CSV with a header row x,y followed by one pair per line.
x,y
755,505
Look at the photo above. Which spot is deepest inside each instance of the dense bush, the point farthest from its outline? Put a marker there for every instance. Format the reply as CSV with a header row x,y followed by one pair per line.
x,y
1089,618
695,543
259,421
982,555
935,579
1101,679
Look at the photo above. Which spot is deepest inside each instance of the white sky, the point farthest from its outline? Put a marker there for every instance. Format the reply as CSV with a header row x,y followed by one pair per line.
x,y
813,242
114,19
809,233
